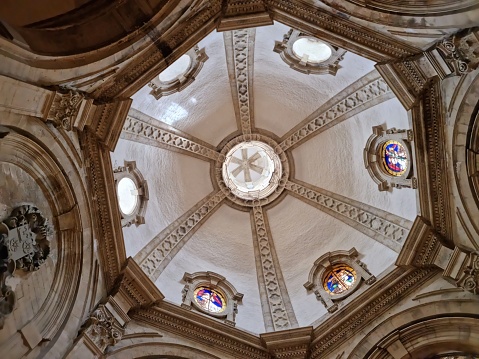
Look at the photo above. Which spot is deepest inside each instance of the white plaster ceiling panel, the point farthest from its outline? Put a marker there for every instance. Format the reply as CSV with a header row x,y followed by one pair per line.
x,y
339,151
301,234
204,109
175,183
223,244
283,97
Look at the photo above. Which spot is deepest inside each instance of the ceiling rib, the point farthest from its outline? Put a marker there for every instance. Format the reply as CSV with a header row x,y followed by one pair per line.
x,y
366,92
239,47
159,252
147,130
382,226
278,312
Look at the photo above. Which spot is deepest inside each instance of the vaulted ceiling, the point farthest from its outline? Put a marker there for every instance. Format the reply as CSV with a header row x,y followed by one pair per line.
x,y
329,160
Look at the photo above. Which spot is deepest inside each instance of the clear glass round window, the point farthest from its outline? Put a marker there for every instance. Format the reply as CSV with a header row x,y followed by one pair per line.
x,y
127,195
176,69
311,50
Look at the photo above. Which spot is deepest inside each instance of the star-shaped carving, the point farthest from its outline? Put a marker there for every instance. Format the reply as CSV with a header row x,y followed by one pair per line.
x,y
246,164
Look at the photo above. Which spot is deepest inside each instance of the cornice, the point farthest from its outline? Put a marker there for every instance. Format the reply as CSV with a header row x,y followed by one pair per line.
x,y
199,328
339,31
349,320
106,213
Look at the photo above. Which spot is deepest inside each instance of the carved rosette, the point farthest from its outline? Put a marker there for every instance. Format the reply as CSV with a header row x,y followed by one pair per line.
x,y
64,109
102,328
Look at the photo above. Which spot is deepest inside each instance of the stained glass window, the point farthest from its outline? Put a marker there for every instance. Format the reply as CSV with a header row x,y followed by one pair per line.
x,y
210,299
339,279
394,158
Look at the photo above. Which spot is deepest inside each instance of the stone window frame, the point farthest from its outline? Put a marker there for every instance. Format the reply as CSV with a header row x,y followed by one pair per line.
x,y
129,170
164,88
324,264
285,50
372,158
217,282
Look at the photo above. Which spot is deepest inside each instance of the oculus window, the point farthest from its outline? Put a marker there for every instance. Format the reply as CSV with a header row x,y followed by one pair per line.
x,y
339,279
210,300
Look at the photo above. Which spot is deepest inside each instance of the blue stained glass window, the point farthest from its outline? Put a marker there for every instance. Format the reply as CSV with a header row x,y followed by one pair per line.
x,y
210,299
339,279
394,158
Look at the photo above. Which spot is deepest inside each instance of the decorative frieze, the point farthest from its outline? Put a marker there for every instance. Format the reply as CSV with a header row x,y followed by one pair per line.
x,y
239,46
241,14
382,226
160,135
270,280
155,256
355,100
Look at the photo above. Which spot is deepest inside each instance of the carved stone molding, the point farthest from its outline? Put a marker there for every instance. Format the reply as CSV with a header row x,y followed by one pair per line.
x,y
322,267
338,30
159,88
289,344
214,281
73,110
241,14
239,46
363,309
379,225
155,256
198,328
277,309
285,49
141,128
422,248
105,211
133,288
355,98
373,158
409,77
102,329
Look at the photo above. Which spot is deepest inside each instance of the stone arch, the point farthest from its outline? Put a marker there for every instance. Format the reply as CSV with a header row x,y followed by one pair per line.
x,y
423,331
37,149
465,158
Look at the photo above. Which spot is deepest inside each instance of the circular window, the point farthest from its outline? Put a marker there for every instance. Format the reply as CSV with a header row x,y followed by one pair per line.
x,y
311,50
176,69
127,195
394,157
248,170
339,279
210,300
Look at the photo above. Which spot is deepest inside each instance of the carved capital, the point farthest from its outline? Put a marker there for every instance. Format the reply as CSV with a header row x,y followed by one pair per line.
x,y
64,109
102,329
469,279
289,344
461,52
